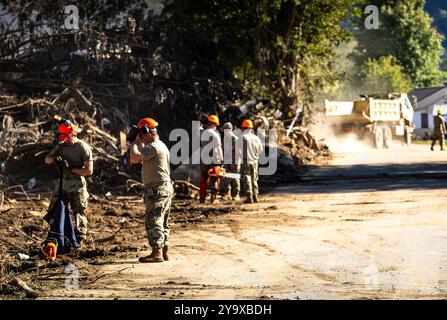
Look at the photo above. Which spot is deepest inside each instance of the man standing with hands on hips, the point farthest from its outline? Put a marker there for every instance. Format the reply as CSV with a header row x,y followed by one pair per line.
x,y
149,150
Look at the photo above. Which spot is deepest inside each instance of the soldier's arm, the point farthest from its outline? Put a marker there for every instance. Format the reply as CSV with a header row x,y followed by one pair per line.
x,y
146,153
51,156
135,154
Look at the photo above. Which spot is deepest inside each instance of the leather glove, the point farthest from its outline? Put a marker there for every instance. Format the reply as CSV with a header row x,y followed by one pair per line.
x,y
63,163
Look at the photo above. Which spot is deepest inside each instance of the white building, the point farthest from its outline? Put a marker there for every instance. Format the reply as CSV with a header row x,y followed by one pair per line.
x,y
429,100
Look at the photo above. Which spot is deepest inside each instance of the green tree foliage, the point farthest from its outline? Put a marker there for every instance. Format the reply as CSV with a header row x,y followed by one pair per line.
x,y
384,75
438,10
406,32
282,49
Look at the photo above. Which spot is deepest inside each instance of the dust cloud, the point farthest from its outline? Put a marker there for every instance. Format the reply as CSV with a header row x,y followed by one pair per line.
x,y
340,143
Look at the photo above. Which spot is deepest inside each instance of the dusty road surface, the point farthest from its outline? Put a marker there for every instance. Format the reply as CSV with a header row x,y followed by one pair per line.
x,y
376,228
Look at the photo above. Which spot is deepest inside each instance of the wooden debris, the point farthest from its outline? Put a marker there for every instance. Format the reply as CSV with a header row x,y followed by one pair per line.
x,y
20,284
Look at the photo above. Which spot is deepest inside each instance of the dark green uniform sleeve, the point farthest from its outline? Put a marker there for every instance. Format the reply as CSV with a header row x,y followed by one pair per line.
x,y
87,154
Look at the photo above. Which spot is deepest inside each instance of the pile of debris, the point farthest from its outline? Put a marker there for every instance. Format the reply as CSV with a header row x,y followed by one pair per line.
x,y
27,134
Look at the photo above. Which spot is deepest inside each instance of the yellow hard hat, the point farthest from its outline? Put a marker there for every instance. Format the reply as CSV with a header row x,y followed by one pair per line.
x,y
439,111
247,124
214,119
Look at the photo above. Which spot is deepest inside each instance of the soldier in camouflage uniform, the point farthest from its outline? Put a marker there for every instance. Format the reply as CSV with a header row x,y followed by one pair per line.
x,y
439,131
154,155
76,158
250,147
230,185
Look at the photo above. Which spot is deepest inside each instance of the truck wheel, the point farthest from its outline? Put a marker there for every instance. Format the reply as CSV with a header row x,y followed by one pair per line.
x,y
378,138
387,136
407,136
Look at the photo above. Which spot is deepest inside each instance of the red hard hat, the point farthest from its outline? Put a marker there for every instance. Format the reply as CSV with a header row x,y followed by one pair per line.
x,y
148,122
66,127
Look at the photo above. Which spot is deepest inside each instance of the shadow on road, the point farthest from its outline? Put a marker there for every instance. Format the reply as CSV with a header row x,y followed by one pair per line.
x,y
374,177
431,170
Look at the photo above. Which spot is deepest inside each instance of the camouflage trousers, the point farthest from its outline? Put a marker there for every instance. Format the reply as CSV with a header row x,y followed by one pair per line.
x,y
229,183
440,137
158,209
75,191
249,178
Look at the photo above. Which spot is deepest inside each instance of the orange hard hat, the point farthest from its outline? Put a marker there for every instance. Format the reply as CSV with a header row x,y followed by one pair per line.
x,y
214,119
247,124
147,122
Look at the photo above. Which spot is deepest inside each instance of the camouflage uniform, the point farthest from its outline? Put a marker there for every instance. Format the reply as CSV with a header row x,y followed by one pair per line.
x,y
158,192
74,188
249,177
158,208
250,147
230,164
439,131
232,183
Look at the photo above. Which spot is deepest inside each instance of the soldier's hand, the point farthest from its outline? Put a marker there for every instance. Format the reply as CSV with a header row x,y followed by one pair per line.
x,y
63,163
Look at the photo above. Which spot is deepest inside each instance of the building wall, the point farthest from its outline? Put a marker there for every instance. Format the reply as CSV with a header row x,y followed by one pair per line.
x,y
419,131
431,112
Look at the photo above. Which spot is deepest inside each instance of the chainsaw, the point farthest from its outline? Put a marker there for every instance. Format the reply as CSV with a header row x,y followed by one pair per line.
x,y
220,172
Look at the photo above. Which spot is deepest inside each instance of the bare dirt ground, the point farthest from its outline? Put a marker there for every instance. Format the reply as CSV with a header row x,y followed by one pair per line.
x,y
372,225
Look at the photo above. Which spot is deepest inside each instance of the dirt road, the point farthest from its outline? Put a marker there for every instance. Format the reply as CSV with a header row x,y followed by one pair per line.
x,y
370,225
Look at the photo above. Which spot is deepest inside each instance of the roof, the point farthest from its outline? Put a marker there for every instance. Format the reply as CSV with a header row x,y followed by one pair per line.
x,y
422,93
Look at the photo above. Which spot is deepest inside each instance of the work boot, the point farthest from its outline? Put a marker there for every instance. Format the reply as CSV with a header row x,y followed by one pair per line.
x,y
226,196
255,198
165,253
236,198
249,199
155,256
213,199
432,149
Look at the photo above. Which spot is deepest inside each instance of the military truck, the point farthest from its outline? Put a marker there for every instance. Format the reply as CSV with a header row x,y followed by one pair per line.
x,y
379,118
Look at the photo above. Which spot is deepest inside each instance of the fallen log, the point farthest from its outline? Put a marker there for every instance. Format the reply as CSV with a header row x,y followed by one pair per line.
x,y
186,183
20,284
104,154
27,102
111,139
23,148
